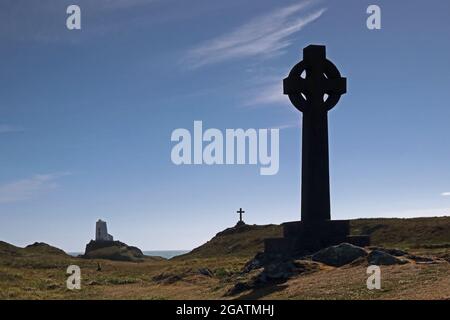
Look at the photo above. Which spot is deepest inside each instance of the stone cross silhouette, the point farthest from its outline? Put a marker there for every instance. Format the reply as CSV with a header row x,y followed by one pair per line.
x,y
240,211
314,86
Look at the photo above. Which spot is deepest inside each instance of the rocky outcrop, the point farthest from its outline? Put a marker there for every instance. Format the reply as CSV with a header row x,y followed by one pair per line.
x,y
379,258
267,269
274,272
392,251
339,255
279,272
205,272
112,250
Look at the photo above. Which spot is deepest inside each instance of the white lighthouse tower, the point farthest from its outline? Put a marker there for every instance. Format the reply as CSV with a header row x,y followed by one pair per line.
x,y
101,232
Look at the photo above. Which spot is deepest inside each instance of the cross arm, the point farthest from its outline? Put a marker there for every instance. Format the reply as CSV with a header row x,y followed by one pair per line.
x,y
336,86
293,85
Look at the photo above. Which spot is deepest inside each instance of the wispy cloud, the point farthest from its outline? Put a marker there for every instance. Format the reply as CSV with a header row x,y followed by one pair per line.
x,y
7,128
29,188
445,194
288,125
266,93
263,36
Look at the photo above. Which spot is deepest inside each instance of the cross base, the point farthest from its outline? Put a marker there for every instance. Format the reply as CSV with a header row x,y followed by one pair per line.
x,y
301,238
240,223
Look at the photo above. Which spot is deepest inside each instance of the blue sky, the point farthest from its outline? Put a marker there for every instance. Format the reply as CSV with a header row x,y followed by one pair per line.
x,y
86,116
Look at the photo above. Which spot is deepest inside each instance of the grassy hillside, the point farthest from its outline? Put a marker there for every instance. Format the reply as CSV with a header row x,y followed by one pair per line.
x,y
35,249
405,233
210,271
40,248
8,249
242,241
401,233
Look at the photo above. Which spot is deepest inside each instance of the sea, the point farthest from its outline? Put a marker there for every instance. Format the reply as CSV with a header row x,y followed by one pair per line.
x,y
159,253
165,253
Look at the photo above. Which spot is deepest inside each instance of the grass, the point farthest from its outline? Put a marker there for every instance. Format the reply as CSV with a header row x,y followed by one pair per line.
x,y
405,233
39,272
401,233
241,242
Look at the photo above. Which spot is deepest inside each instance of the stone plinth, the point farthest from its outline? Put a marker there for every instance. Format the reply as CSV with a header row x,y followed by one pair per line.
x,y
307,237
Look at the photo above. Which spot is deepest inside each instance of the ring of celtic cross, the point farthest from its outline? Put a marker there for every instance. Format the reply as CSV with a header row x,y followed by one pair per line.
x,y
321,87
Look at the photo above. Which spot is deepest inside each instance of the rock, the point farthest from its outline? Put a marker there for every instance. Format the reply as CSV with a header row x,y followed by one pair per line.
x,y
397,252
240,224
112,250
96,245
394,252
167,278
377,257
339,255
206,272
277,272
423,260
263,259
256,263
238,288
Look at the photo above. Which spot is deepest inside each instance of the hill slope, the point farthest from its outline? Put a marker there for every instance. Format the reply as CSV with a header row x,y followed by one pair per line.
x,y
241,241
35,249
405,233
389,232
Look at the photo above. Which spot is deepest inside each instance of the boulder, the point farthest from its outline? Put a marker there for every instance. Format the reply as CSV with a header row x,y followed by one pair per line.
x,y
394,251
275,272
238,288
205,272
378,257
283,270
257,262
422,260
339,255
278,271
167,278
